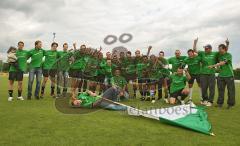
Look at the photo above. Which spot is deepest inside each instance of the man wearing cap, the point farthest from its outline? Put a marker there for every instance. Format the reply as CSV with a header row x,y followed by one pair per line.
x,y
207,76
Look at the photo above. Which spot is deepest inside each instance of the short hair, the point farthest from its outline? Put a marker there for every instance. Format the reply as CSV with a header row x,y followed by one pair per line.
x,y
190,50
129,52
161,52
20,42
37,42
177,50
65,44
222,46
54,43
117,68
145,56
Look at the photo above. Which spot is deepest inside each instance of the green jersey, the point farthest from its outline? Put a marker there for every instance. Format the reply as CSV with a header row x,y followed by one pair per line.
x,y
102,64
22,57
226,70
50,59
194,65
108,70
176,62
36,57
118,81
87,100
79,61
91,66
207,59
129,66
142,69
178,82
156,70
63,60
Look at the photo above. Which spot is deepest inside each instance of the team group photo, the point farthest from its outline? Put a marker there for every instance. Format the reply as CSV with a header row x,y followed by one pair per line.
x,y
111,74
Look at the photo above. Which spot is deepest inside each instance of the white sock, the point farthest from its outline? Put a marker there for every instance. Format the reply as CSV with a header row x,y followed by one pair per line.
x,y
200,93
190,93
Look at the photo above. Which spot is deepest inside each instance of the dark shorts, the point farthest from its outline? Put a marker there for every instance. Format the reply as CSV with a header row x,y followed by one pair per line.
x,y
49,72
193,77
144,80
88,77
101,78
153,81
130,77
75,73
15,76
178,93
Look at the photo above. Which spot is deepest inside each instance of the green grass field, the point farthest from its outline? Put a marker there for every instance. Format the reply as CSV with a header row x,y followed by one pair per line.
x,y
40,123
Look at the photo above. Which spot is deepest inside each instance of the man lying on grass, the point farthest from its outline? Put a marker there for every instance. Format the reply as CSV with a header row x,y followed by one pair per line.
x,y
90,99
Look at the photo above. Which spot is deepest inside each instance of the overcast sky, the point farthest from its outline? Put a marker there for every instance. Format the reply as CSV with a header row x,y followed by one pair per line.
x,y
166,25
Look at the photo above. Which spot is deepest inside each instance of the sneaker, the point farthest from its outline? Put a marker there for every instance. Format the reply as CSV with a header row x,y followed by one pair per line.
x,y
182,102
37,97
148,99
20,98
189,102
42,95
10,98
229,106
208,104
166,100
203,102
142,98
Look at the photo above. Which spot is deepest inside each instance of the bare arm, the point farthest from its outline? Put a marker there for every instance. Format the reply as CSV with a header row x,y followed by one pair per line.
x,y
149,49
227,44
91,93
187,74
75,46
218,64
195,45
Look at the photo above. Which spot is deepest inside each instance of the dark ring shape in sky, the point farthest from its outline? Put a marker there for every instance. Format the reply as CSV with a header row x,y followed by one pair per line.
x,y
109,42
128,35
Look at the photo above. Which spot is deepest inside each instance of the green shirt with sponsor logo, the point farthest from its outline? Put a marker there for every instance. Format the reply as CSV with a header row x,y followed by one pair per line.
x,y
194,64
118,81
22,57
129,66
178,82
108,70
176,62
50,59
87,100
91,67
207,59
141,68
36,57
63,60
226,70
102,64
79,62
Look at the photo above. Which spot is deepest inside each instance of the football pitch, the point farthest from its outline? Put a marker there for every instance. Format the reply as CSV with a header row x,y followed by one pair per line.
x,y
38,122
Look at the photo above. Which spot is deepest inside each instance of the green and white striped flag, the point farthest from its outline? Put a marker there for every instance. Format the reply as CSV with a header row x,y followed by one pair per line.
x,y
188,116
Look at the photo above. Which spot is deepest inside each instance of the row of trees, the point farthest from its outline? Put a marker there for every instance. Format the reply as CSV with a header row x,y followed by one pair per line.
x,y
4,67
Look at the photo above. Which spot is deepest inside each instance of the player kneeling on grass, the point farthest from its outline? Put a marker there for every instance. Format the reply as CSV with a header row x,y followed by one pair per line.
x,y
90,99
178,84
